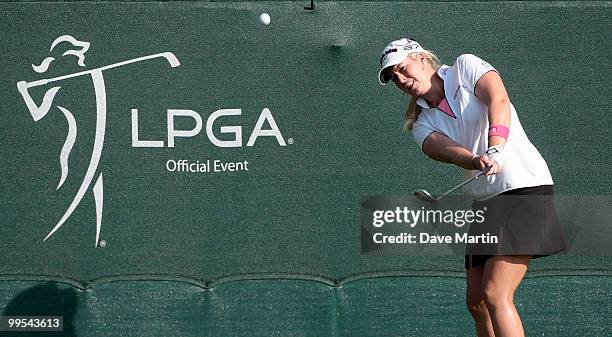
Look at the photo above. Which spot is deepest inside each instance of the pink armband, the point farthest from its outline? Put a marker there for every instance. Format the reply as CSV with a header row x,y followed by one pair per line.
x,y
499,130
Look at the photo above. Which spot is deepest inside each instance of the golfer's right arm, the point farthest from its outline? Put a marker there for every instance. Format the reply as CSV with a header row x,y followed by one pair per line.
x,y
441,148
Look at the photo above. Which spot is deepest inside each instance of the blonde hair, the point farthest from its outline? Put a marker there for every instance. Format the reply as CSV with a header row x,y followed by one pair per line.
x,y
413,111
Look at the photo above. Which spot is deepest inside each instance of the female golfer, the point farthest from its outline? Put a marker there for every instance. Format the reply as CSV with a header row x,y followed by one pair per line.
x,y
461,114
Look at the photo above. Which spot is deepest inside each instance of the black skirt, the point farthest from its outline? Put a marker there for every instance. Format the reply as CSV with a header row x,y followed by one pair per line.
x,y
517,222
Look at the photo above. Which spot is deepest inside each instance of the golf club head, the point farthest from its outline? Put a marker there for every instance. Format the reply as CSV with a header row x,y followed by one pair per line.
x,y
424,195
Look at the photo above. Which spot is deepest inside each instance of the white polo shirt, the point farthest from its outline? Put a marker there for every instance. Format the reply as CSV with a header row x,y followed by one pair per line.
x,y
467,124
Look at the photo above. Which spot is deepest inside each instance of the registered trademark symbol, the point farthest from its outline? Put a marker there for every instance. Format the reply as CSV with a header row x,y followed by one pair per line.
x,y
484,208
290,140
103,243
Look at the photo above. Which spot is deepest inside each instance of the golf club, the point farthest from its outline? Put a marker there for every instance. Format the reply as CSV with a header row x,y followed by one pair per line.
x,y
424,195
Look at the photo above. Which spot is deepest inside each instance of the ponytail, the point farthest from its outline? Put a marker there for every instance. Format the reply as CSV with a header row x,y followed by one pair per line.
x,y
412,114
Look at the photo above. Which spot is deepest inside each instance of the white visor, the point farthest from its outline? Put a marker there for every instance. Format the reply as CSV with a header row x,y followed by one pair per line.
x,y
394,54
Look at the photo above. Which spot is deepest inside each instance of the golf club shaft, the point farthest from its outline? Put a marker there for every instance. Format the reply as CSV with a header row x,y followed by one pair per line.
x,y
465,182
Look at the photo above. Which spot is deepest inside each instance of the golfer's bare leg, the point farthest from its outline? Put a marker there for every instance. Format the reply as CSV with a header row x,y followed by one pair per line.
x,y
476,304
502,275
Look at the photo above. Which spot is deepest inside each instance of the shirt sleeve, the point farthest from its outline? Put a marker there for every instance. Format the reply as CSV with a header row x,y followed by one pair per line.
x,y
471,68
420,132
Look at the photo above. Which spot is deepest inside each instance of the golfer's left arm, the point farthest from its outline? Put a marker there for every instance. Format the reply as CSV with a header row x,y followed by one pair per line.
x,y
491,91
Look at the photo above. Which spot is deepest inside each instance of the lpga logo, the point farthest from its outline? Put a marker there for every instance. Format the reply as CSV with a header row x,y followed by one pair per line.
x,y
40,111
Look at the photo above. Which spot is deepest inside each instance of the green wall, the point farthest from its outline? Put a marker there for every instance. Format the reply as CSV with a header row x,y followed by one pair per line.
x,y
294,215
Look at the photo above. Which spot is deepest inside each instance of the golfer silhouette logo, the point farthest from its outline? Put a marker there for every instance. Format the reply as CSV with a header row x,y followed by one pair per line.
x,y
40,111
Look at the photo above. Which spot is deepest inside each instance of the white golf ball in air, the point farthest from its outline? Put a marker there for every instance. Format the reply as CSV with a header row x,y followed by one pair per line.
x,y
264,18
